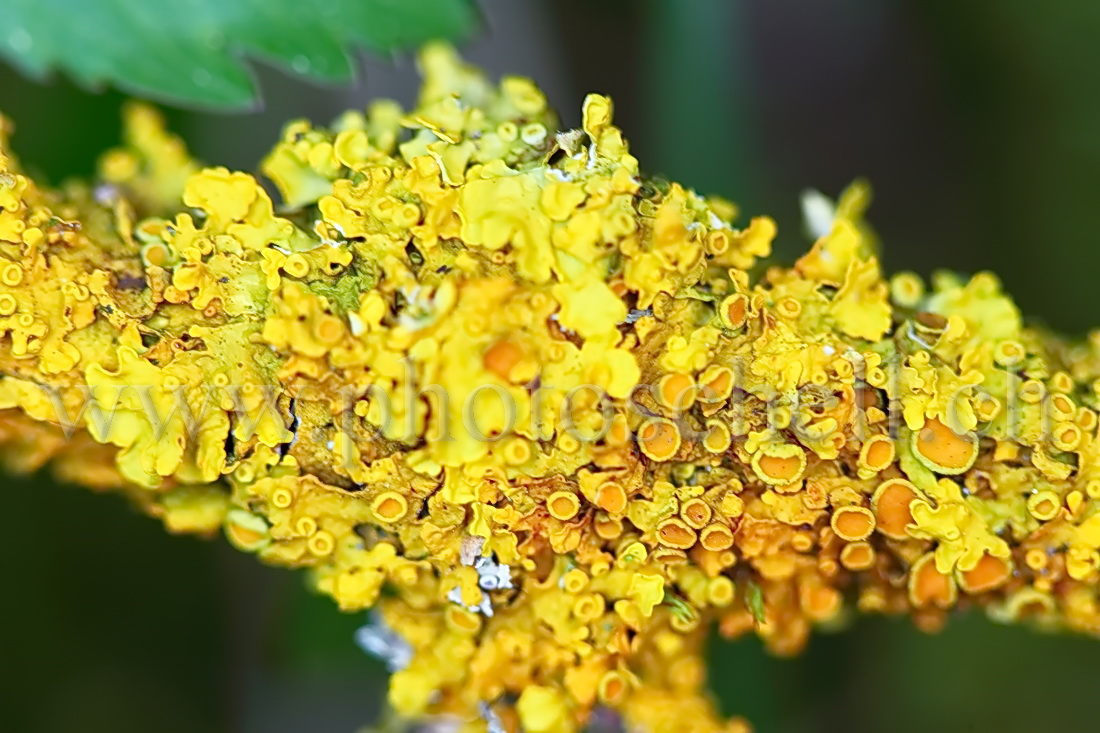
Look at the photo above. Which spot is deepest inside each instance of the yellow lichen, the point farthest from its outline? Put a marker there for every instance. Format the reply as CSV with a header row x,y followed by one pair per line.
x,y
544,414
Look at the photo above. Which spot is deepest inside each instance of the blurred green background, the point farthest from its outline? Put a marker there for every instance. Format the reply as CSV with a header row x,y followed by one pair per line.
x,y
978,124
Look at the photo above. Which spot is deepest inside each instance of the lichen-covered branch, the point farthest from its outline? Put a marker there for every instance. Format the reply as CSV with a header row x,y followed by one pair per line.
x,y
550,418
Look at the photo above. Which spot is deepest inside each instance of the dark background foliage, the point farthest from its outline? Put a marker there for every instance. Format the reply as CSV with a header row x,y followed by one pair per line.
x,y
977,122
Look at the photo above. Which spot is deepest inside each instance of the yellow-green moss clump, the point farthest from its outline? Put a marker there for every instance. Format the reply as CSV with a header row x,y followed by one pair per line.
x,y
543,415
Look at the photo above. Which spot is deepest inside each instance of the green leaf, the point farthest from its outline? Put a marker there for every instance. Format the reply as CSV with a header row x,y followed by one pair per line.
x,y
754,598
680,608
195,51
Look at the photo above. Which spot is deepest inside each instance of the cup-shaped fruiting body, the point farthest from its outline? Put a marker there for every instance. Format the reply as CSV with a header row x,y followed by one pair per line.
x,y
857,556
659,439
989,573
574,581
389,506
676,533
891,502
779,464
696,513
611,688
928,586
715,384
716,537
877,454
943,450
1044,505
247,531
563,505
852,523
718,437
734,310
676,392
611,497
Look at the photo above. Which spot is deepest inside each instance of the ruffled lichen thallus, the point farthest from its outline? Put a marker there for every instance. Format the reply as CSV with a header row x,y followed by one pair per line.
x,y
549,418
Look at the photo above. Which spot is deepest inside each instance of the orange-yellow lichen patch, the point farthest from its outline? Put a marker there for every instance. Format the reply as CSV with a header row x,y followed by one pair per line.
x,y
802,542
676,391
611,497
1044,505
943,450
1066,436
1075,501
788,307
857,556
589,607
1036,559
779,464
696,513
819,600
608,528
716,537
502,357
718,437
321,543
928,586
563,505
1061,405
1032,391
990,572
721,591
305,526
987,407
732,505
389,506
1009,352
551,407
1086,419
659,439
282,498
612,688
891,502
676,533
734,310
906,289
876,454
1082,563
246,531
853,523
715,384
574,581
517,451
